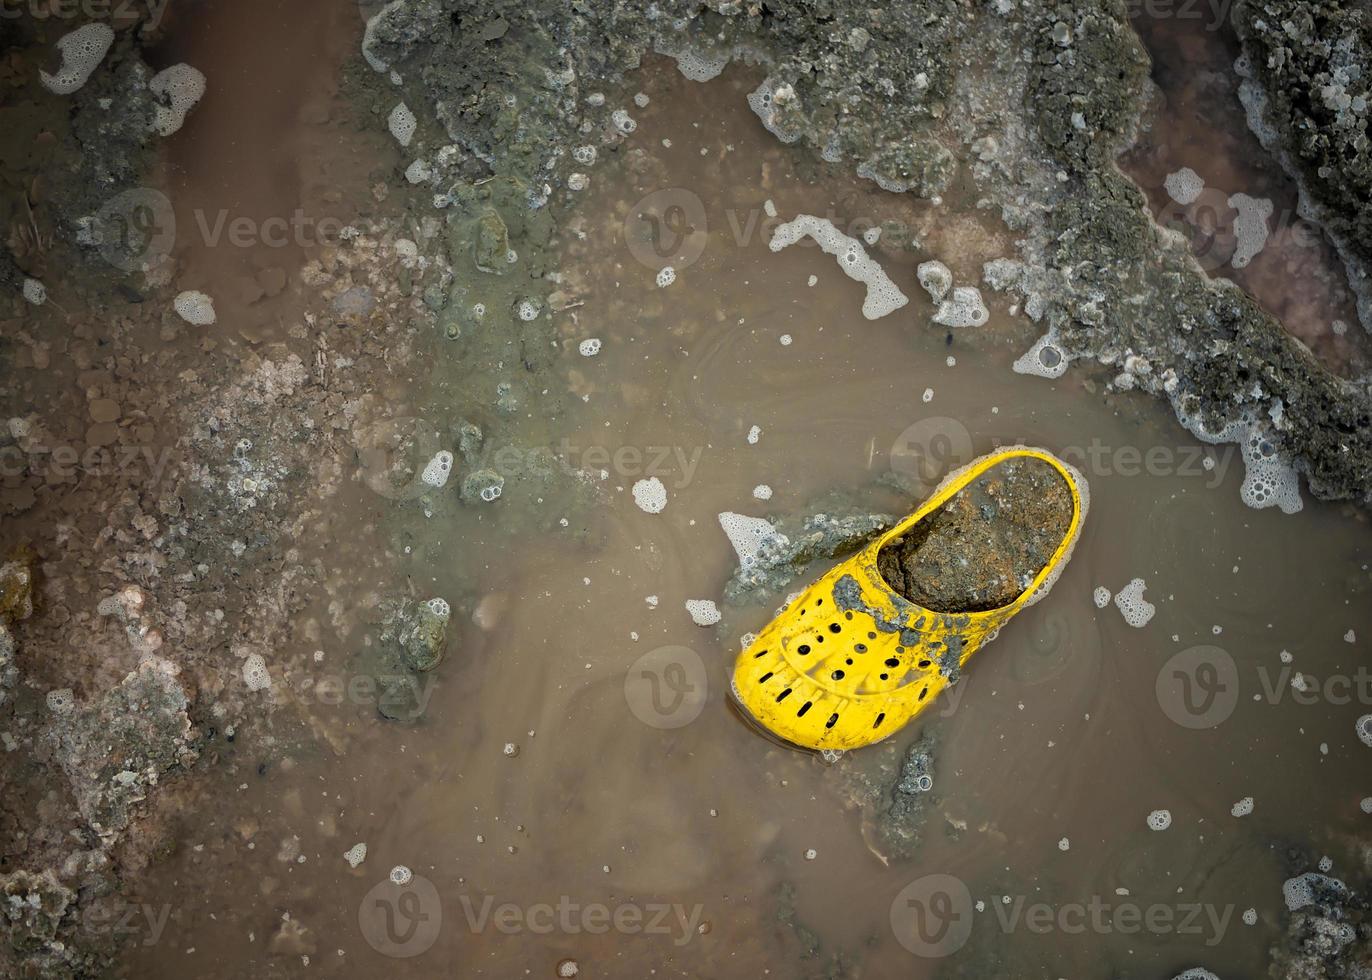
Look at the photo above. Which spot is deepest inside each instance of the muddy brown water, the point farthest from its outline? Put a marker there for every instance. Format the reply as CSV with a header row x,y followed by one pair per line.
x,y
638,827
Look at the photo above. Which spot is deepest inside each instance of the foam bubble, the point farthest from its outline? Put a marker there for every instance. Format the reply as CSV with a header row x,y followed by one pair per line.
x,y
1366,804
401,875
1196,973
194,307
623,122
650,495
1137,610
1363,727
35,292
1243,808
698,66
402,124
883,296
1250,227
438,470
746,534
255,673
1044,360
1159,819
589,347
703,612
1250,917
61,700
935,278
1101,597
369,34
765,101
762,492
754,434
439,607
666,276
1184,185
82,50
355,855
1267,481
964,309
178,89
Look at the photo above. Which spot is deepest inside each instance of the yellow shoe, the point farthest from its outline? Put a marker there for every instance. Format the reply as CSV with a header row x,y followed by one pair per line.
x,y
851,661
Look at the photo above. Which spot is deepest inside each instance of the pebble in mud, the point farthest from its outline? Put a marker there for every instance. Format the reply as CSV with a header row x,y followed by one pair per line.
x,y
1159,819
104,410
703,612
650,495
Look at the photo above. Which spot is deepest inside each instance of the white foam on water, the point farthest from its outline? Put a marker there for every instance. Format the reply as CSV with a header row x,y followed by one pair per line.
x,y
1250,227
1137,610
883,296
703,612
178,90
1159,819
401,875
194,307
665,277
1101,597
402,124
698,66
355,855
35,292
754,434
255,673
589,347
1267,481
1243,808
935,278
746,534
1044,360
650,495
1184,185
438,469
369,35
82,51
1363,727
964,309
762,492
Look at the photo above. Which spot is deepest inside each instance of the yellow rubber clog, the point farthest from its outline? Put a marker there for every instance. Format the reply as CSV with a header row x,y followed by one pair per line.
x,y
851,661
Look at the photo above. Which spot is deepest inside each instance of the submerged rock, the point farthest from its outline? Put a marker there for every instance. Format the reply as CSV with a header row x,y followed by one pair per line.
x,y
418,631
117,747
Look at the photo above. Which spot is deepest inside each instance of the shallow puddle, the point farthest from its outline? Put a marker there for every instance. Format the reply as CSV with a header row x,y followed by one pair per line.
x,y
577,785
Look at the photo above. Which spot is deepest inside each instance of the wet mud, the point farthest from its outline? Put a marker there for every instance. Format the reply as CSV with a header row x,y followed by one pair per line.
x,y
984,547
